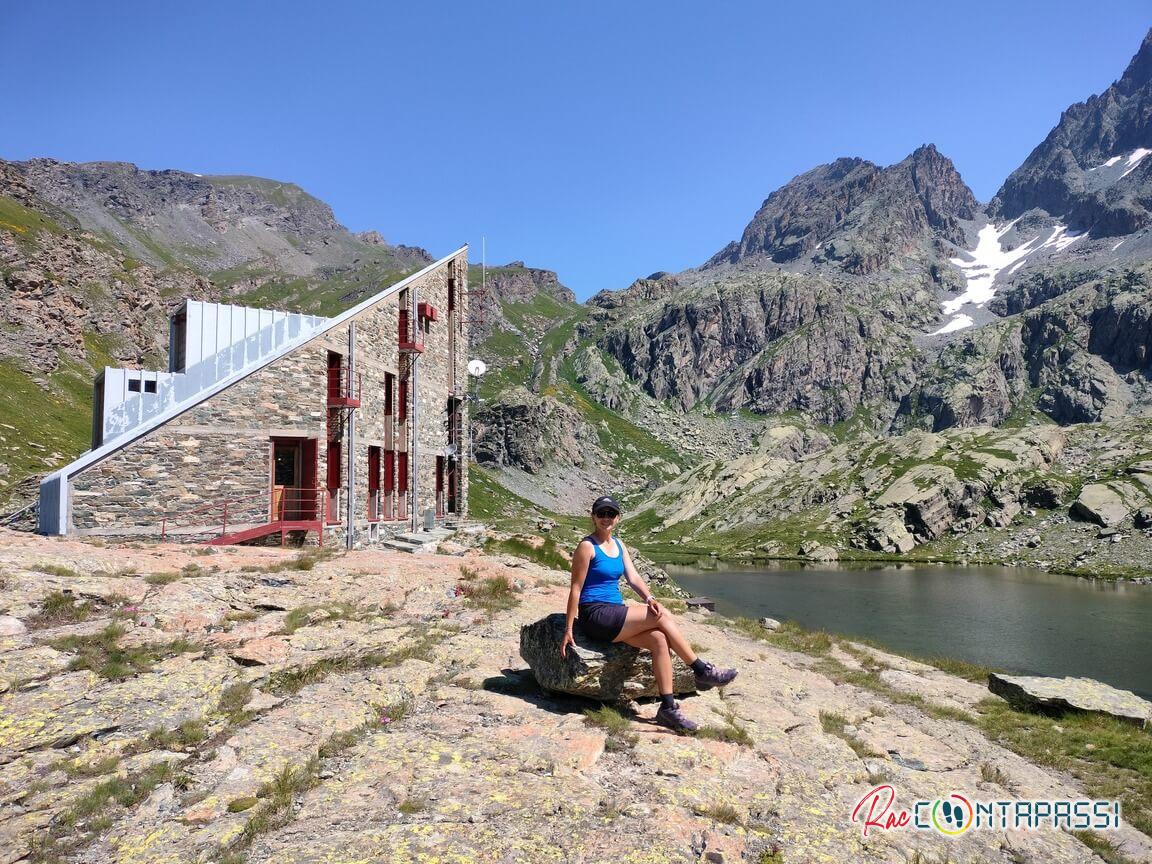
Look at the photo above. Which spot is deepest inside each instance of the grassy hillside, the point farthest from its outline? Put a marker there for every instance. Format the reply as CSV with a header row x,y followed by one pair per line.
x,y
46,425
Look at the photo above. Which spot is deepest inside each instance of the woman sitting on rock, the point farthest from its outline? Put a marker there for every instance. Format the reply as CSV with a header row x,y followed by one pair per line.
x,y
597,565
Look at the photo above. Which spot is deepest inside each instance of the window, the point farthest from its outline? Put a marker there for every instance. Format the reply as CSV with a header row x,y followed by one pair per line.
x,y
150,386
402,473
373,483
402,408
179,341
134,385
389,392
335,374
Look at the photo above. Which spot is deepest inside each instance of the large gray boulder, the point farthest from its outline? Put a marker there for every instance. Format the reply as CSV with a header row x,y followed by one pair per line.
x,y
1045,695
610,672
1100,503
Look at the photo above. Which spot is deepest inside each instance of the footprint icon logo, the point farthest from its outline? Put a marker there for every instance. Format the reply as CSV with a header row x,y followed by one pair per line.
x,y
952,816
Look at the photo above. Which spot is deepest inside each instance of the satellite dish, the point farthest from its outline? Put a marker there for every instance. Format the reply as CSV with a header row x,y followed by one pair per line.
x,y
476,368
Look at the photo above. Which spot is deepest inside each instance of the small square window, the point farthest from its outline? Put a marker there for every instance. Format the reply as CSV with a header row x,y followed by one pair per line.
x,y
134,385
150,386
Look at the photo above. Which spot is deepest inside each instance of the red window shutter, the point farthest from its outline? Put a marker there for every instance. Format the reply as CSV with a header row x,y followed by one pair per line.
x,y
402,408
389,392
402,473
373,469
389,470
334,464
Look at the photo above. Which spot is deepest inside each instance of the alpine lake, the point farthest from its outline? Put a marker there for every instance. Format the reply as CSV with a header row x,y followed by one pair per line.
x,y
1018,620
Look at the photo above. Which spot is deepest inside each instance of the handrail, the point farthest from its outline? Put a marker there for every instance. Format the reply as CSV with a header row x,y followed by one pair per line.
x,y
302,510
339,386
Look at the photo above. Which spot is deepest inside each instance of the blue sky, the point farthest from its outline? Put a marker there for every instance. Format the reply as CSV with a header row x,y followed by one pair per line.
x,y
601,140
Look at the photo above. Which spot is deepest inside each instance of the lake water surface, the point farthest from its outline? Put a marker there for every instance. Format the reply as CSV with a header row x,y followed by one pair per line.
x,y
1021,620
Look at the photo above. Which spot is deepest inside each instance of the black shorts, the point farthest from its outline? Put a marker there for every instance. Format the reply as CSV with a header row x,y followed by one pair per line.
x,y
602,621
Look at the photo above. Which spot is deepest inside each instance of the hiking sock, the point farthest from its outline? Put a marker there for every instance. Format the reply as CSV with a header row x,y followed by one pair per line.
x,y
666,701
698,665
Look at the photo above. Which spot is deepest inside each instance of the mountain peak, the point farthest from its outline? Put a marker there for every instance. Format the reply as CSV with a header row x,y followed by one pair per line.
x,y
1139,71
853,201
1089,171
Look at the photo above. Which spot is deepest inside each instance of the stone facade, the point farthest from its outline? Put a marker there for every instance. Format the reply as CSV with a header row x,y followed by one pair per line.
x,y
277,428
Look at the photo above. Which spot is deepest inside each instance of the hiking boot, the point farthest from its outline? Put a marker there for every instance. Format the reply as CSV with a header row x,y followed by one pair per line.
x,y
675,720
710,677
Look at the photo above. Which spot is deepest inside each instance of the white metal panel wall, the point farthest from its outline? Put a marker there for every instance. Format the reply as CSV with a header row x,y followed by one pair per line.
x,y
221,339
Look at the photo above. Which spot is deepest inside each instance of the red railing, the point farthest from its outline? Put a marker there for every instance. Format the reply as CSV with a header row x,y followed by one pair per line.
x,y
410,333
341,391
297,503
285,504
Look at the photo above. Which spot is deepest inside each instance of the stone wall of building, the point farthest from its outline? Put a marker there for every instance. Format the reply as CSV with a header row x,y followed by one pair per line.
x,y
221,450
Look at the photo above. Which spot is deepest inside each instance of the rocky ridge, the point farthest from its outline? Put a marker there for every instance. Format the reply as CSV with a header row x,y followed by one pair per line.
x,y
361,710
209,224
856,215
1090,171
1037,496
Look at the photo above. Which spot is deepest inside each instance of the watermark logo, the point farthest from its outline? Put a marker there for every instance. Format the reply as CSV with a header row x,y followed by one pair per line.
x,y
955,814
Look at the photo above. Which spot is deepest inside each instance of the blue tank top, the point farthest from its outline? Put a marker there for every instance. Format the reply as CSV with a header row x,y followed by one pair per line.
x,y
602,585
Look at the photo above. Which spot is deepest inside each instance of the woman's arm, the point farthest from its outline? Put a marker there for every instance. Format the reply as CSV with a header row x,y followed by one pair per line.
x,y
580,561
637,584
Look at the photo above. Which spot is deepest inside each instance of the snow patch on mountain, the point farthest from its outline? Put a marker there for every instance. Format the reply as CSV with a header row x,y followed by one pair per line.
x,y
985,262
1134,159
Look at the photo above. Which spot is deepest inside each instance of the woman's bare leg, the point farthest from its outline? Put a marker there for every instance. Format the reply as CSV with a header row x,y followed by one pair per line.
x,y
654,641
641,620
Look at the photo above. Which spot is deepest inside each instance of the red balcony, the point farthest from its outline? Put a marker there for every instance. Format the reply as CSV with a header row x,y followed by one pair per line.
x,y
411,337
343,393
426,310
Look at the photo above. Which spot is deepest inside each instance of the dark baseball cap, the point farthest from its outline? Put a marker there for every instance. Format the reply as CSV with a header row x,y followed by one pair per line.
x,y
606,502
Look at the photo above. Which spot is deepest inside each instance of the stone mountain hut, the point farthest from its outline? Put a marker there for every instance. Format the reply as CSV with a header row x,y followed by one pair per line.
x,y
274,425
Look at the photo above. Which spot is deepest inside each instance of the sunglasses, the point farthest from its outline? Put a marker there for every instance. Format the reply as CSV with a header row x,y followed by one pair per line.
x,y
605,514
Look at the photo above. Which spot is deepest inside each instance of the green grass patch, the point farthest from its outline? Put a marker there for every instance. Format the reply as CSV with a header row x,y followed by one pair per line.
x,y
545,553
791,636
232,701
76,768
57,570
159,579
59,608
834,724
1111,758
420,648
491,503
101,653
94,812
184,737
1104,848
617,728
306,560
45,427
723,812
492,594
25,222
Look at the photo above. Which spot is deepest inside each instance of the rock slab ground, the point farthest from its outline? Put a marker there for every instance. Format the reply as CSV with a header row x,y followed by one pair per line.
x,y
399,726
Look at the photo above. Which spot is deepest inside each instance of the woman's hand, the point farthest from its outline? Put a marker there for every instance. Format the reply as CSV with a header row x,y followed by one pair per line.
x,y
565,642
654,607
